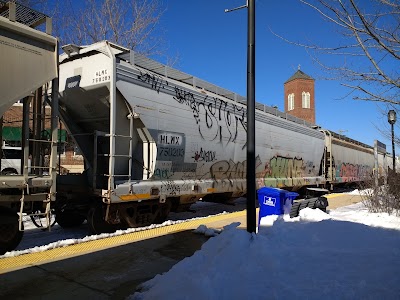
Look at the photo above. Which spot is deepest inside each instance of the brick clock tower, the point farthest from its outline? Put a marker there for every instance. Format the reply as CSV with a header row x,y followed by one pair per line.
x,y
299,96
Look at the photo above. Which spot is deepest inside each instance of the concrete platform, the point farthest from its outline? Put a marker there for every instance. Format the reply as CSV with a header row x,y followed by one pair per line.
x,y
111,268
339,200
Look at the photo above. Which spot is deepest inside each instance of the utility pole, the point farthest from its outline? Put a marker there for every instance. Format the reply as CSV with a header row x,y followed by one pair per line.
x,y
341,131
251,157
392,120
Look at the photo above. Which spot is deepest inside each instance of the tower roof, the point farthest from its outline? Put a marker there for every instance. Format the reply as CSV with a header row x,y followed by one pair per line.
x,y
299,75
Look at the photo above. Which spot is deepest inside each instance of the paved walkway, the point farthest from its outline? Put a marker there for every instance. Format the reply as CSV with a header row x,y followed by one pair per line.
x,y
339,200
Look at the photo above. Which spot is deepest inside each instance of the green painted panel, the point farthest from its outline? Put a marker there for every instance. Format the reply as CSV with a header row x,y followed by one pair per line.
x,y
15,134
12,133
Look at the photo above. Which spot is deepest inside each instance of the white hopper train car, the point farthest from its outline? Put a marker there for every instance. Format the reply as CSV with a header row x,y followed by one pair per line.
x,y
156,139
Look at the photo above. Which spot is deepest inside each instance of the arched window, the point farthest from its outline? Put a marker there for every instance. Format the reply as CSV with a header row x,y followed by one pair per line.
x,y
290,101
305,97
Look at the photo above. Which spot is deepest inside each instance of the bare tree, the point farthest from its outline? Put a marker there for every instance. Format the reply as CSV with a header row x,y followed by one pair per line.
x,y
369,45
130,23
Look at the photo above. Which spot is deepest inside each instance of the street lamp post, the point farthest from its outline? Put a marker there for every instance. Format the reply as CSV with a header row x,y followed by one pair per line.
x,y
251,127
392,120
250,143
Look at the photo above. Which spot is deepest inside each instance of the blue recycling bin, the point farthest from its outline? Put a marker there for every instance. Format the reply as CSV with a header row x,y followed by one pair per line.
x,y
272,201
290,196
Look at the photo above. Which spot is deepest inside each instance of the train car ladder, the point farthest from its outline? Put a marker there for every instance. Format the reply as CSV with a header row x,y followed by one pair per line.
x,y
46,213
329,168
47,191
98,135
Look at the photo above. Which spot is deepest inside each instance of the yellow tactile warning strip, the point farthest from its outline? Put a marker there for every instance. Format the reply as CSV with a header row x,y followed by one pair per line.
x,y
8,264
332,195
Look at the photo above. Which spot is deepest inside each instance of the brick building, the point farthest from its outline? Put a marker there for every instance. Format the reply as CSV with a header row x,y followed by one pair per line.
x,y
300,97
70,158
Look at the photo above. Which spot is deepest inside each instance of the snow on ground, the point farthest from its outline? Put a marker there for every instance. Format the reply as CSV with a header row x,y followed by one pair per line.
x,y
346,254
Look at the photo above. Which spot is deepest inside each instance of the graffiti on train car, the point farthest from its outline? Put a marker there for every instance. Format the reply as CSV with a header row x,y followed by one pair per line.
x,y
175,188
288,171
170,187
163,173
157,82
346,172
170,169
230,174
218,120
163,170
204,155
279,171
286,167
224,172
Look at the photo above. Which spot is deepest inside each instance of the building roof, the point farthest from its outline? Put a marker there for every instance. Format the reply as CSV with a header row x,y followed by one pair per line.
x,y
299,75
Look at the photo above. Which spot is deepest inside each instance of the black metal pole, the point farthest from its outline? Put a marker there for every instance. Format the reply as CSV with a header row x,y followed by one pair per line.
x,y
394,155
251,158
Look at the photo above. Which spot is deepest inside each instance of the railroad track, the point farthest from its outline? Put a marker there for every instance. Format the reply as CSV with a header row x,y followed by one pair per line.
x,y
36,237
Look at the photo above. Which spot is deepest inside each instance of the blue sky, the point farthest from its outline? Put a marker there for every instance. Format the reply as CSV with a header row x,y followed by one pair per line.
x,y
212,45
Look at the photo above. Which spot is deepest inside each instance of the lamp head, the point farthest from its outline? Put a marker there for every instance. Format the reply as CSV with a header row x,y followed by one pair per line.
x,y
392,116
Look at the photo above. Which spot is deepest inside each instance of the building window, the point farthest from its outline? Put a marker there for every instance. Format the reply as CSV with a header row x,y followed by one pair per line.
x,y
77,151
290,101
61,148
305,99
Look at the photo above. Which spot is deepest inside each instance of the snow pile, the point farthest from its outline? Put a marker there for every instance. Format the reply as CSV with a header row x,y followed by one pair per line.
x,y
314,256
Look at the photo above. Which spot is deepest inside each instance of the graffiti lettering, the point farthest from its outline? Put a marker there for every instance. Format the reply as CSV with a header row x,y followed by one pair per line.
x,y
228,174
187,98
217,120
286,167
163,173
350,172
170,187
287,171
225,172
206,156
156,82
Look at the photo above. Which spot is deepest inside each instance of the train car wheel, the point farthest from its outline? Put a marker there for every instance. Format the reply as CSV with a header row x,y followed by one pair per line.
x,y
96,221
10,235
163,212
68,219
